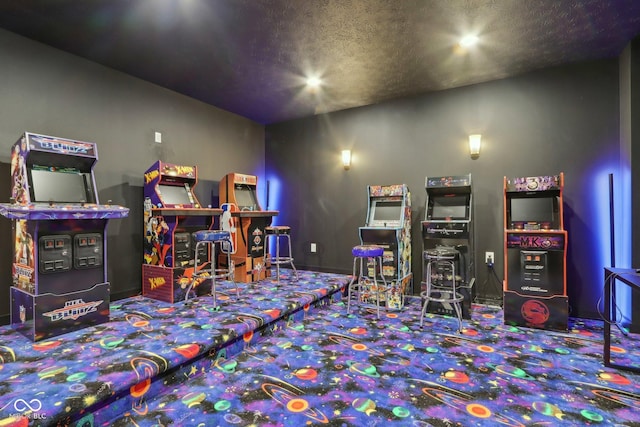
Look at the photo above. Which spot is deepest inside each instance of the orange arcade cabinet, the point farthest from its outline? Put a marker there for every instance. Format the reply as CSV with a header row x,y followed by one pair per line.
x,y
246,224
172,214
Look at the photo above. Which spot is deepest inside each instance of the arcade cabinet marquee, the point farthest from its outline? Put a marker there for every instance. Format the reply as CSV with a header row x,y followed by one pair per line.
x,y
59,266
535,290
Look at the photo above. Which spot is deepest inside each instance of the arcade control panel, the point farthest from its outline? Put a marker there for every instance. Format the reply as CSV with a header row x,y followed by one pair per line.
x,y
445,229
61,251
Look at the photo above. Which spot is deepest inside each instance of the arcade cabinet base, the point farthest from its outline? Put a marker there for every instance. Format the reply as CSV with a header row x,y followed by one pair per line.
x,y
43,316
249,269
170,284
540,313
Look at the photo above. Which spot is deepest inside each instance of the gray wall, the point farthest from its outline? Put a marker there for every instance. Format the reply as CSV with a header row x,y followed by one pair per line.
x,y
47,91
556,120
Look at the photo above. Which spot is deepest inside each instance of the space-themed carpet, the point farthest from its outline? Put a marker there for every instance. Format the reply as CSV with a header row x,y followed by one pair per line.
x,y
101,371
337,369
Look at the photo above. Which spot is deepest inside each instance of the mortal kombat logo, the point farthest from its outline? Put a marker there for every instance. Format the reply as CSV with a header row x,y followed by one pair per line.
x,y
535,242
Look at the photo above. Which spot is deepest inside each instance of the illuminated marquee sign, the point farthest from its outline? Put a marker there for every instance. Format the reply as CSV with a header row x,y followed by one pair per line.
x,y
535,241
64,146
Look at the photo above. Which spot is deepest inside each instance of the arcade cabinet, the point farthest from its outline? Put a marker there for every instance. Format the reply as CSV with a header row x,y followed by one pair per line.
x,y
172,215
447,230
248,220
389,225
59,265
535,247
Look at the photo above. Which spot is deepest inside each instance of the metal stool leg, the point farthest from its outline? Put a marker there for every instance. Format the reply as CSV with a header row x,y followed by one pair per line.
x,y
295,272
230,267
375,287
195,273
213,273
454,297
351,285
361,280
427,293
278,258
384,283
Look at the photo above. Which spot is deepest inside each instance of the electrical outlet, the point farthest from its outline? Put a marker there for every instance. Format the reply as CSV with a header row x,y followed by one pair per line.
x,y
489,258
313,248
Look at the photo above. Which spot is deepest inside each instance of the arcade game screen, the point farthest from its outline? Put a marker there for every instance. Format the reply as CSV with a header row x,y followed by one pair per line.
x,y
450,207
174,195
59,185
387,210
246,197
533,209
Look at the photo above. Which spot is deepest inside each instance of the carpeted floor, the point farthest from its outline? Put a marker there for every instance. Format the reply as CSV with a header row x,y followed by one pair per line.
x,y
284,355
337,369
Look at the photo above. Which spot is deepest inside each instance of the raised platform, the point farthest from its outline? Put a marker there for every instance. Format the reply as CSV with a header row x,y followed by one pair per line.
x,y
93,375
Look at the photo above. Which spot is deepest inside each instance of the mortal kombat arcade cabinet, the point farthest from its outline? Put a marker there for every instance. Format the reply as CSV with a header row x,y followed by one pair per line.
x,y
535,248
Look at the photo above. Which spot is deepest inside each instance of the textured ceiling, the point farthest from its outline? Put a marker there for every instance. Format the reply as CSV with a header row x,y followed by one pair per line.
x,y
250,56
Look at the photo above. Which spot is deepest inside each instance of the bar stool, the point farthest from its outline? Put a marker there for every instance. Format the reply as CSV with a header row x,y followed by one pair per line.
x,y
362,253
277,232
211,238
440,264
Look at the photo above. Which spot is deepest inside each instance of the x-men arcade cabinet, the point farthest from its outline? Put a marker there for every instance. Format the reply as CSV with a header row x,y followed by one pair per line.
x,y
59,264
238,195
389,225
535,248
172,215
447,230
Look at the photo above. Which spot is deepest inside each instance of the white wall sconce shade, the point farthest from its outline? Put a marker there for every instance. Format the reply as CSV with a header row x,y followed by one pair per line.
x,y
346,159
475,141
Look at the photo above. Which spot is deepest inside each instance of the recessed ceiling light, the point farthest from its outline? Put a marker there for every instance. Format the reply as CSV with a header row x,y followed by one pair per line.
x,y
313,82
469,40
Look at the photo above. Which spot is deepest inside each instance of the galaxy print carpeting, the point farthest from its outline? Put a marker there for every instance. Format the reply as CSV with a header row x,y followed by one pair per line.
x,y
290,355
354,370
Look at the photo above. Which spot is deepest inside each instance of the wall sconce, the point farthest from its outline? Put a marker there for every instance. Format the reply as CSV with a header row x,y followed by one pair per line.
x,y
346,159
474,145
